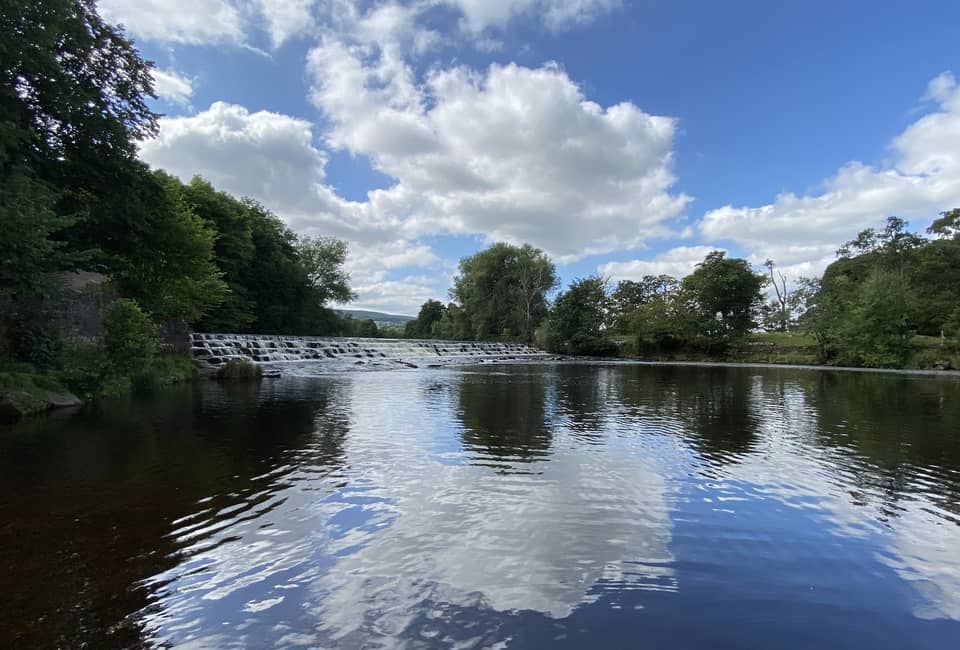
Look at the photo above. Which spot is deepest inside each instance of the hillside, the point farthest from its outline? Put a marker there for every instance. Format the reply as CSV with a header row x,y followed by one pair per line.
x,y
380,318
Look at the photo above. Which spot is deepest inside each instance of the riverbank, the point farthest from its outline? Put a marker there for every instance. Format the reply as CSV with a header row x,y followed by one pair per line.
x,y
25,391
788,348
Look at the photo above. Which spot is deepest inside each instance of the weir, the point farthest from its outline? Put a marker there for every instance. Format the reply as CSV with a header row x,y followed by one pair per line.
x,y
217,349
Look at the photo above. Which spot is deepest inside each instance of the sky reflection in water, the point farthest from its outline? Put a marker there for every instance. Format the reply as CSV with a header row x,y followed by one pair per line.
x,y
516,506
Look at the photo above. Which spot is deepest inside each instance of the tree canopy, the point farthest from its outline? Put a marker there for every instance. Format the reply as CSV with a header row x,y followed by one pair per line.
x,y
503,290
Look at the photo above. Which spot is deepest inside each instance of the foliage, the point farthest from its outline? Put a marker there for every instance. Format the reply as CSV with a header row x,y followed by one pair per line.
x,y
576,321
322,258
875,330
29,223
503,291
129,338
168,266
947,226
722,297
427,323
631,296
239,369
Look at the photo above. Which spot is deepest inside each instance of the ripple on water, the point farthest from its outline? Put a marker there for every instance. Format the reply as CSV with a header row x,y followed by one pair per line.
x,y
535,506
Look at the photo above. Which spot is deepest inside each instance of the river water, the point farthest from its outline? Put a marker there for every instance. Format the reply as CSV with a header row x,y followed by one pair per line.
x,y
512,506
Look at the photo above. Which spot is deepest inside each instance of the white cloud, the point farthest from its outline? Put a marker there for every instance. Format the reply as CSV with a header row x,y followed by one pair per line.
x,y
479,15
173,87
272,158
803,232
178,21
678,262
286,19
218,22
514,154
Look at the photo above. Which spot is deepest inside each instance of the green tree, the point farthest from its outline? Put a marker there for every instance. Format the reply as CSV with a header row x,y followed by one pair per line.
x,y
454,325
631,295
168,266
503,290
723,297
875,330
322,259
73,97
947,226
234,249
29,222
427,323
129,338
577,319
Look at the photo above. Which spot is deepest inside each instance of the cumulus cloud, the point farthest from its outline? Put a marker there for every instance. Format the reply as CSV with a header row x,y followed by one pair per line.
x,y
678,262
178,21
512,153
219,22
272,158
479,15
173,87
803,232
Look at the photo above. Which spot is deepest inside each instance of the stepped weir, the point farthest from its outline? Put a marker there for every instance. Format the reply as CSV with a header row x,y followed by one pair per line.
x,y
216,349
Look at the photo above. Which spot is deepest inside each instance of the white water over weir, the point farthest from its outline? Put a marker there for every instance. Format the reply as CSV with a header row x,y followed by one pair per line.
x,y
337,352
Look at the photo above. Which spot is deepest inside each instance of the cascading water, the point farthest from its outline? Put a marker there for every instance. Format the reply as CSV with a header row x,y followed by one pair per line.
x,y
330,352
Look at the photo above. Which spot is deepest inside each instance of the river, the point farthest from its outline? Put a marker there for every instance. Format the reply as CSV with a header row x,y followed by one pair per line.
x,y
504,506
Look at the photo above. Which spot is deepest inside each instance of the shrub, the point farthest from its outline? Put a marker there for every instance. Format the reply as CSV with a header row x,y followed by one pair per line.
x,y
129,338
239,369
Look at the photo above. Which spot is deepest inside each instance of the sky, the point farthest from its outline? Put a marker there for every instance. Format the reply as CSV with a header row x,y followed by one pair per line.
x,y
622,138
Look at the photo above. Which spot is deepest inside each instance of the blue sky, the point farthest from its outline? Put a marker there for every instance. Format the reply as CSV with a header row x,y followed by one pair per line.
x,y
622,138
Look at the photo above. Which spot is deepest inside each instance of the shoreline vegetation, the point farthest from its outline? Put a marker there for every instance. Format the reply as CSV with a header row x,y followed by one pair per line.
x,y
159,257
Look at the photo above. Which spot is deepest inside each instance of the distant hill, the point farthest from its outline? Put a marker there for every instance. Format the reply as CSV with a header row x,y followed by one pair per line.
x,y
377,317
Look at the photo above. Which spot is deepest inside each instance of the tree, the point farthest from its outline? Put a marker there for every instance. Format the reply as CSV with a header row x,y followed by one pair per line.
x,y
233,251
427,322
723,296
168,265
73,89
73,97
577,319
503,290
630,296
322,259
876,329
777,314
454,325
29,222
947,226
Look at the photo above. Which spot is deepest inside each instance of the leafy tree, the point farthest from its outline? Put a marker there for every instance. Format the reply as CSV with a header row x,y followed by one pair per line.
x,y
234,249
876,329
129,338
168,266
426,324
322,259
73,89
577,319
454,325
503,290
657,324
630,296
29,221
722,296
947,226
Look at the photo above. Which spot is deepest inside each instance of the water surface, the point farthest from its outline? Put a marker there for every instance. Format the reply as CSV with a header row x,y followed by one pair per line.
x,y
515,506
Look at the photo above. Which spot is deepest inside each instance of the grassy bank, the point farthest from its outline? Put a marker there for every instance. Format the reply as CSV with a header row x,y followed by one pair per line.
x,y
928,353
26,391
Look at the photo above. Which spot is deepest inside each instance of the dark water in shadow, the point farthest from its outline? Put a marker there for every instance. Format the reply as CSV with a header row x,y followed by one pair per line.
x,y
528,506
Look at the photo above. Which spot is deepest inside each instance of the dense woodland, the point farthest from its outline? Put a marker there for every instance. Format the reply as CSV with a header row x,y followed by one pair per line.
x,y
74,95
